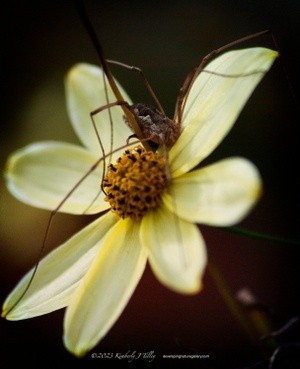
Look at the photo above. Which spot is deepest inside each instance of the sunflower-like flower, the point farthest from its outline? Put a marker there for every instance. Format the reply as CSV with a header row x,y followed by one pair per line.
x,y
152,217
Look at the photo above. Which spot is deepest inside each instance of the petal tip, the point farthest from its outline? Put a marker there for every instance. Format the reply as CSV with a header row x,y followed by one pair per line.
x,y
188,289
7,310
74,349
8,313
75,73
4,314
8,167
74,70
273,54
193,290
79,69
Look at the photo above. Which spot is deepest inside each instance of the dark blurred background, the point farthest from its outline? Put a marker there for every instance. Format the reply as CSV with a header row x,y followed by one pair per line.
x,y
40,41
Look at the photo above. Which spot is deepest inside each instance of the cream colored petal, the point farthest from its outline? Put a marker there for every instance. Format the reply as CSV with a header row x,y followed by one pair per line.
x,y
42,174
215,102
58,274
85,92
177,252
106,289
221,194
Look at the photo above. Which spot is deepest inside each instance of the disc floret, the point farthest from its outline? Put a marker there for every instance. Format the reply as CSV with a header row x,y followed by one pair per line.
x,y
135,183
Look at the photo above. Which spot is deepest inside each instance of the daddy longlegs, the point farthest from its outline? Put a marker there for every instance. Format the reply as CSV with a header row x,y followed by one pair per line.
x,y
141,118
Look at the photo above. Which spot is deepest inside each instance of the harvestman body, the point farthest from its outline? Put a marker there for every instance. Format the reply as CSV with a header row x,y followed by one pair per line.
x,y
155,126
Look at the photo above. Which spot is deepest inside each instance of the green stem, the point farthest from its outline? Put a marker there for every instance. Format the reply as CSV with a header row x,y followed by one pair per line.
x,y
230,301
259,323
260,236
254,327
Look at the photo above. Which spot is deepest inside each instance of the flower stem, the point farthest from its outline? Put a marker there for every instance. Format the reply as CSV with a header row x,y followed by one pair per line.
x,y
261,236
230,300
252,327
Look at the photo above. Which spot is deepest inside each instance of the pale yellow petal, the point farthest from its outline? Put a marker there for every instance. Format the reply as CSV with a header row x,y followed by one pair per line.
x,y
58,274
221,194
106,289
177,252
215,102
85,92
42,174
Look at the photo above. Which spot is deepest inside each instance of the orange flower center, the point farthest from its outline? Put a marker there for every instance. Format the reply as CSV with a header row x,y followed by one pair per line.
x,y
135,183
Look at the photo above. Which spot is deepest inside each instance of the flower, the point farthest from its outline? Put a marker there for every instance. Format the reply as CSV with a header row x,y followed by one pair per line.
x,y
95,272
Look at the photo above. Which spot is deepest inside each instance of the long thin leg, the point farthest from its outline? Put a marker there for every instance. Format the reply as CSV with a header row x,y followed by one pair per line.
x,y
141,73
188,83
92,114
91,32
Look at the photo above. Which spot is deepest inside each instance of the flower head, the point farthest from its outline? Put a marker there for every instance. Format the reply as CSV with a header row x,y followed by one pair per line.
x,y
152,217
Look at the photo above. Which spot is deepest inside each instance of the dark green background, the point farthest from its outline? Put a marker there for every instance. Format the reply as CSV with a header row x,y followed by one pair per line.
x,y
40,41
